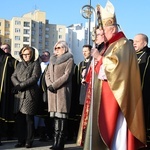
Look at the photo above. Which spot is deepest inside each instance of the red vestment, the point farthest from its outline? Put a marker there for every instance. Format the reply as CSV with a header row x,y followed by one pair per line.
x,y
120,93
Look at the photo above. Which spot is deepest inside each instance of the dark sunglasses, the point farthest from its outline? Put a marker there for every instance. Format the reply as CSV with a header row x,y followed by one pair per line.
x,y
58,48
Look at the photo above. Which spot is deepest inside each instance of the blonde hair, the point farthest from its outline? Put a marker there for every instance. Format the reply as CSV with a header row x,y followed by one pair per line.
x,y
26,48
64,45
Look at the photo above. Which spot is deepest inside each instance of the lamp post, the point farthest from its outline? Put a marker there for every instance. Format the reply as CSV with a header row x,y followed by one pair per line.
x,y
89,33
87,12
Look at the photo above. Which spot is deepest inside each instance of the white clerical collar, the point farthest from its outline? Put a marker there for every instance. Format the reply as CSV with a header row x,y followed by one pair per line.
x,y
87,60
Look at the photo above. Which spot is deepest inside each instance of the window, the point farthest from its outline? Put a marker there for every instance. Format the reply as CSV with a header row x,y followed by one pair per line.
x,y
17,30
33,25
17,38
25,39
60,30
46,43
60,36
46,36
26,24
7,33
7,40
33,32
17,45
7,25
47,29
17,22
40,24
26,31
16,52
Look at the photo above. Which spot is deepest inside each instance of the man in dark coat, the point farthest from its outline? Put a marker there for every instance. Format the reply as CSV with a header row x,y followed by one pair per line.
x,y
82,72
140,44
83,69
7,66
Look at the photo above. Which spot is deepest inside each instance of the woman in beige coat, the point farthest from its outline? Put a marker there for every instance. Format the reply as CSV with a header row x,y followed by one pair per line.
x,y
59,83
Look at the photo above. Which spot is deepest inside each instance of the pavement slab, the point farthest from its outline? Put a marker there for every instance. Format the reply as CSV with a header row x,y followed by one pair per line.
x,y
37,145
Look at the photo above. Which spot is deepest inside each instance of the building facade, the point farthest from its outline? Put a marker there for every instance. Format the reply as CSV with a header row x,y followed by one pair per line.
x,y
34,29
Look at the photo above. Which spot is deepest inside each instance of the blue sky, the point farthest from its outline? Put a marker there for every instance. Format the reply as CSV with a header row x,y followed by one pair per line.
x,y
132,15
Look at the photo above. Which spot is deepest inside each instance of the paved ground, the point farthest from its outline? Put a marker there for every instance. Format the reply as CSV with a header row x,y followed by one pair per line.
x,y
37,145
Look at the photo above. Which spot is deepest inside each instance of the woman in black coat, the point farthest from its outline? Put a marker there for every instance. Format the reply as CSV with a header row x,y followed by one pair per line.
x,y
25,79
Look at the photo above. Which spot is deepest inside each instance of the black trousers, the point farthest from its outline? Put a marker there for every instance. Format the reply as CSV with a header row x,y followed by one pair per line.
x,y
25,128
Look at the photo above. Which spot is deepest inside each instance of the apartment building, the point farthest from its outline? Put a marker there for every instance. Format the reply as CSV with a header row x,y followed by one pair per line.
x,y
34,29
31,29
77,36
5,31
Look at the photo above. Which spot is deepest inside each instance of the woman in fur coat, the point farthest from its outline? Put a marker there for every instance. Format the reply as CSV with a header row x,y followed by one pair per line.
x,y
59,83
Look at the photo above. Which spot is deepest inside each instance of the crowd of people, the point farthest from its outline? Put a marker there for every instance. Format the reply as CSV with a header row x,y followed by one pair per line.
x,y
100,103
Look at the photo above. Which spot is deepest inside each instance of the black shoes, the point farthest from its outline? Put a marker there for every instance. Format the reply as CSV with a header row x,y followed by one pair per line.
x,y
19,145
52,147
28,145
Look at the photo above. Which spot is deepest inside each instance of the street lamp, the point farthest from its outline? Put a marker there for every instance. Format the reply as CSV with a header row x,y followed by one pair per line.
x,y
89,35
87,11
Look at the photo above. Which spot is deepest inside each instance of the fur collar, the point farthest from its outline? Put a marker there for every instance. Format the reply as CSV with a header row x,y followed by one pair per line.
x,y
58,60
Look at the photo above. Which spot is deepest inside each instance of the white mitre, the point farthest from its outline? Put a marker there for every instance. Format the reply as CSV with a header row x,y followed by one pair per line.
x,y
107,14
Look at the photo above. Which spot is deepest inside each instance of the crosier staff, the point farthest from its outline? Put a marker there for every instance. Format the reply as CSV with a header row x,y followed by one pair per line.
x,y
87,11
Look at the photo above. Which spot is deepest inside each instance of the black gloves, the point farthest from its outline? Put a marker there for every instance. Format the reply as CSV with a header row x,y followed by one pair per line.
x,y
16,89
50,88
